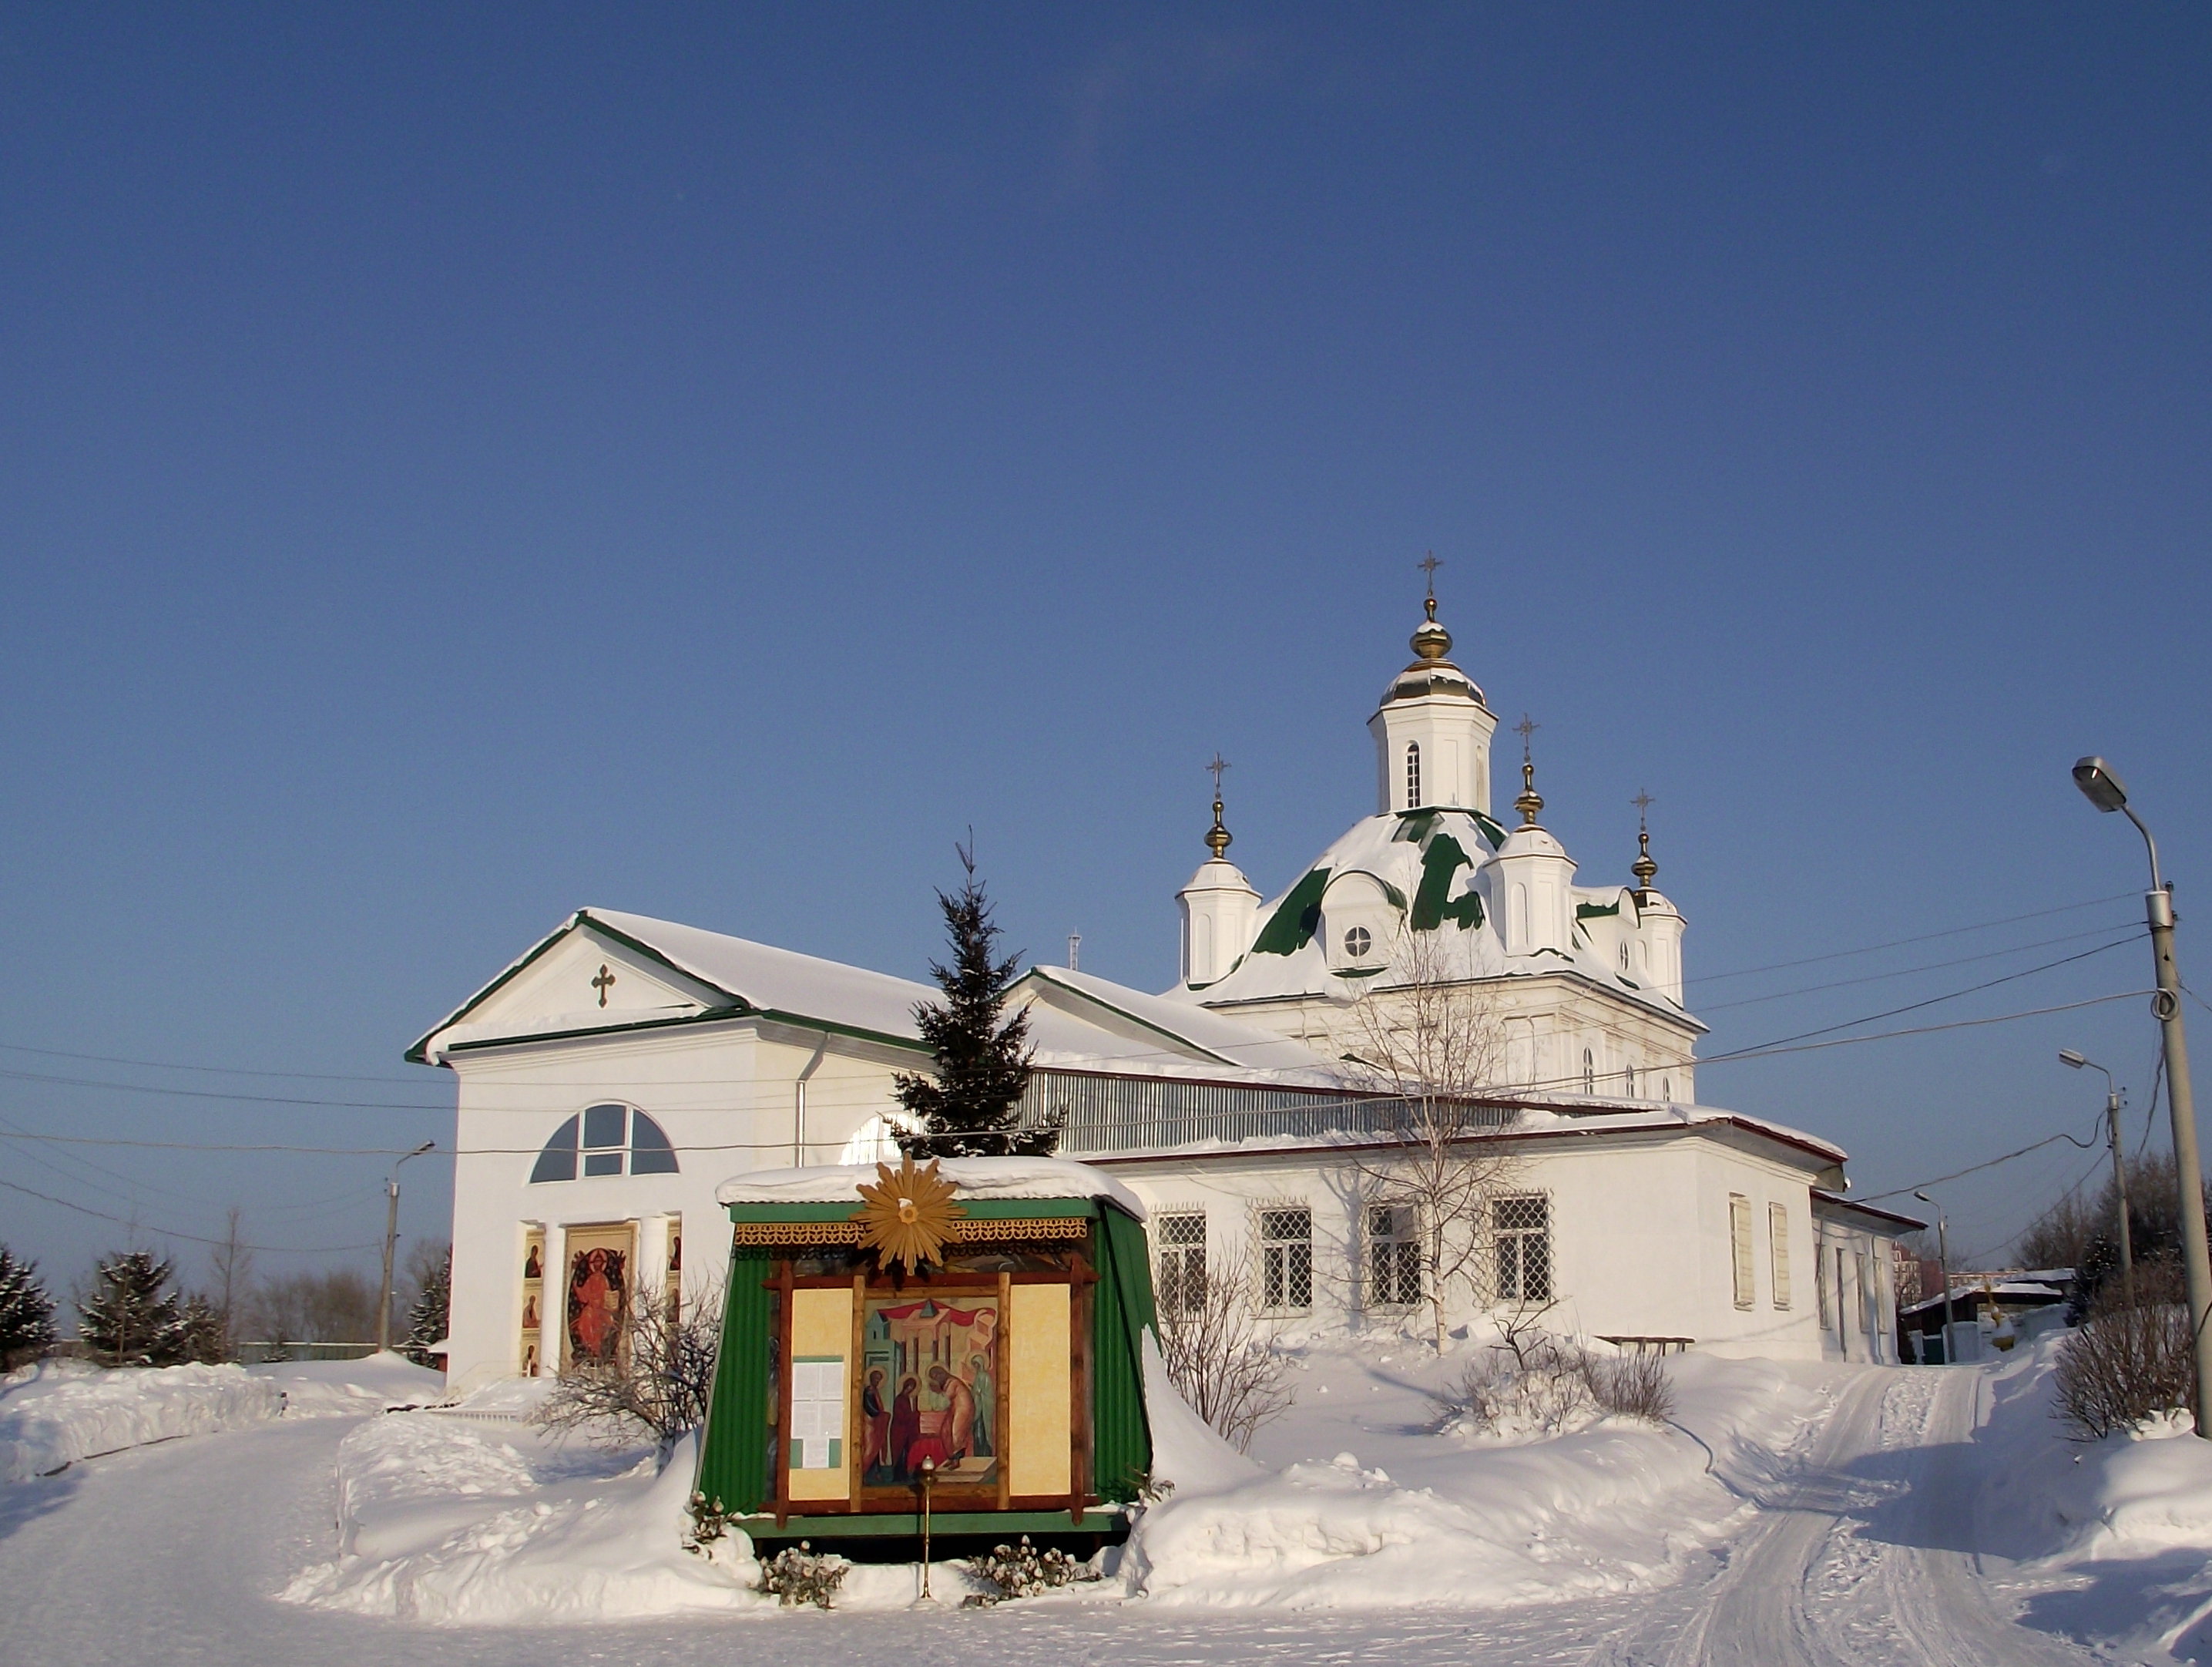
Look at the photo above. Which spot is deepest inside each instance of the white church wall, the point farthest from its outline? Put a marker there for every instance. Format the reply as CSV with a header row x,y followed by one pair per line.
x,y
725,1096
1640,1240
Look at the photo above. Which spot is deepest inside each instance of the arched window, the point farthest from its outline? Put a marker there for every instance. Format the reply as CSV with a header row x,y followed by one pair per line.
x,y
611,1140
1412,774
1628,1080
1666,1089
1590,1072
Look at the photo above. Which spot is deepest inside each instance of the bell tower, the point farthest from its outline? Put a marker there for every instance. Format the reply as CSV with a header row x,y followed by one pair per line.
x,y
1432,730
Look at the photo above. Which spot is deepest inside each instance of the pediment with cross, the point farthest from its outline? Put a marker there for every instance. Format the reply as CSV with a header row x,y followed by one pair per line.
x,y
581,979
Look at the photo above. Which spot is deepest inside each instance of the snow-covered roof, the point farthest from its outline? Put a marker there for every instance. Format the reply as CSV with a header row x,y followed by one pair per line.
x,y
1433,865
1152,1021
975,1177
1076,1020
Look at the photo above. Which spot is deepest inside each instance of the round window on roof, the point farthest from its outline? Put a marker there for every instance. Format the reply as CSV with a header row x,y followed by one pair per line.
x,y
1358,940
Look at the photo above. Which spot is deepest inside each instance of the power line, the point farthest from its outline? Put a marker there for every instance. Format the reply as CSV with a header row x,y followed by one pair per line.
x,y
1933,1001
219,1243
1921,1030
1974,1169
1907,972
1901,943
210,1070
215,1094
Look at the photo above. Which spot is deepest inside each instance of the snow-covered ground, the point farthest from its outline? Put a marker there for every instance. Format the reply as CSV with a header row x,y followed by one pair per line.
x,y
1850,1515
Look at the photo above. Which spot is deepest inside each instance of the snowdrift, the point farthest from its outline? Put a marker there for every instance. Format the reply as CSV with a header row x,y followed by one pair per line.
x,y
59,1412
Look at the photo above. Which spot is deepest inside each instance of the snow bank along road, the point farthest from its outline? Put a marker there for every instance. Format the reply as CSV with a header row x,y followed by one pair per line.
x,y
172,1554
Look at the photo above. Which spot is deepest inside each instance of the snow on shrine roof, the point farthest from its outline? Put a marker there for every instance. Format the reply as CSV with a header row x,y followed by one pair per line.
x,y
975,1177
1075,1020
1430,864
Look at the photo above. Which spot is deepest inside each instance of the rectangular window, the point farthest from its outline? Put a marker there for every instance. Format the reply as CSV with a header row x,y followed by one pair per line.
x,y
1778,1244
1860,1266
1821,1286
1181,1245
1521,1245
1393,1256
1286,1259
1740,1249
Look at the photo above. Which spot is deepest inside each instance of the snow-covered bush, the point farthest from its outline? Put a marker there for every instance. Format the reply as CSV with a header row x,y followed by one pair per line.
x,y
1631,1386
659,1380
1022,1571
1550,1387
2125,1365
1210,1340
799,1574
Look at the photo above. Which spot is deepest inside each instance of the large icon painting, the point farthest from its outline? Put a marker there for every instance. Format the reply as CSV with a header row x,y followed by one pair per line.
x,y
929,1390
598,1298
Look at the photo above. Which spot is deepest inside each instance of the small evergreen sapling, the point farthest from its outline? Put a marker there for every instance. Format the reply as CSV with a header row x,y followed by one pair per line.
x,y
427,1321
26,1311
973,1107
132,1318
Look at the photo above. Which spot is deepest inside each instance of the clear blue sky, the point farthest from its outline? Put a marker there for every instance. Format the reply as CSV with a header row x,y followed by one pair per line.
x,y
460,465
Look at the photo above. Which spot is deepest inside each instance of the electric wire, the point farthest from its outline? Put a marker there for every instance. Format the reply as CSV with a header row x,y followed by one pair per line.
x,y
1907,972
165,1233
211,1070
1901,943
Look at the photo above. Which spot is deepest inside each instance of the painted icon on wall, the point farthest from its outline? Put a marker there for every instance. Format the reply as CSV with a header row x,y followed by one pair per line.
x,y
929,1390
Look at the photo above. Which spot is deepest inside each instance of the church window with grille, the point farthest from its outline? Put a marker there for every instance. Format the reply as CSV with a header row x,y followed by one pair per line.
x,y
1412,774
1393,1256
1286,1259
1182,1244
1521,1243
610,1139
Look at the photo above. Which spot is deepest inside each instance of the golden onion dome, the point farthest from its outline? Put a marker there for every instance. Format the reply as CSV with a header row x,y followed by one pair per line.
x,y
1430,674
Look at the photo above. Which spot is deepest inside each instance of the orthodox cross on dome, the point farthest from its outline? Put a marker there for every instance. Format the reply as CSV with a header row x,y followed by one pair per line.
x,y
1530,801
1217,837
1643,868
1429,564
1432,641
604,982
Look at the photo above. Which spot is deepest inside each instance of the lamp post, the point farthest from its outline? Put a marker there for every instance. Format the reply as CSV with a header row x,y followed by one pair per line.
x,y
2067,1056
2102,790
391,1237
1943,1266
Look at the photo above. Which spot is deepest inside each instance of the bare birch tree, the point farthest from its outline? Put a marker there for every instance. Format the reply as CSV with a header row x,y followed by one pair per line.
x,y
1434,1043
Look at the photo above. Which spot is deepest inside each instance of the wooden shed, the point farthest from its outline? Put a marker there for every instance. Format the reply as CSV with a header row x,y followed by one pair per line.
x,y
976,1324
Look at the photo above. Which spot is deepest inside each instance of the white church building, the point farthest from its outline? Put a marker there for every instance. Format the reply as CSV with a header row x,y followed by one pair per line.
x,y
624,1068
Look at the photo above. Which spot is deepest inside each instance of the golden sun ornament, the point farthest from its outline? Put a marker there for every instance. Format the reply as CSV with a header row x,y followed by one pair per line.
x,y
908,1215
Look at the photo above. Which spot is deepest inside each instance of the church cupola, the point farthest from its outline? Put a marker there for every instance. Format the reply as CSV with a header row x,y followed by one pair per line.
x,y
1659,924
1532,878
1220,910
1432,730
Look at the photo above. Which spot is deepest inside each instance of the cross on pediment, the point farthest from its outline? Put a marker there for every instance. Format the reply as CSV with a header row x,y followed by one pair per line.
x,y
604,982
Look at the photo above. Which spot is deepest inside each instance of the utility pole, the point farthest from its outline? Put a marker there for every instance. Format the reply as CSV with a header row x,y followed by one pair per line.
x,y
390,1239
2069,1057
2102,790
1943,1266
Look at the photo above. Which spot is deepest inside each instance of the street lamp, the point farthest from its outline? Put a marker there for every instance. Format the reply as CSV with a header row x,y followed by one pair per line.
x,y
2105,790
391,1237
2067,1056
1943,1266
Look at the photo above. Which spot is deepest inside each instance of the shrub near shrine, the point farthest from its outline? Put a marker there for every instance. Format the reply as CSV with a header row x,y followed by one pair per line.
x,y
972,1325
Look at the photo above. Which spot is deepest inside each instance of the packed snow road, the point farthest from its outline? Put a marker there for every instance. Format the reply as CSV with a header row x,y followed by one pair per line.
x,y
172,1554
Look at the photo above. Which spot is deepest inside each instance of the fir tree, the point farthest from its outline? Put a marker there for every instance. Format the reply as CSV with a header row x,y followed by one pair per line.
x,y
972,1108
200,1333
26,1312
427,1319
132,1318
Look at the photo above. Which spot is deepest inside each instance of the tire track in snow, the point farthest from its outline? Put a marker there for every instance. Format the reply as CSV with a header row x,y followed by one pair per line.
x,y
1865,1559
